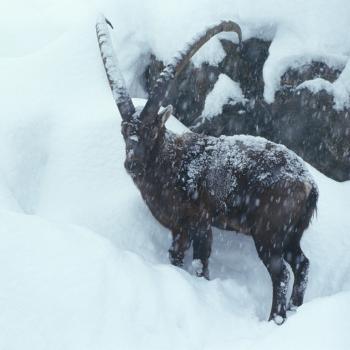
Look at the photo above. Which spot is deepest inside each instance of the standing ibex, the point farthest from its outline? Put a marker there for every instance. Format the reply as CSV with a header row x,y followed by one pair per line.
x,y
193,182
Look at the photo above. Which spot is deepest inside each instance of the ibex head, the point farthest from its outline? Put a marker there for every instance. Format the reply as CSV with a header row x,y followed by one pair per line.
x,y
143,128
140,138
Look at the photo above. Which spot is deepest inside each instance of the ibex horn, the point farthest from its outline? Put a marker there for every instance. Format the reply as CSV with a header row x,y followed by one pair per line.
x,y
115,78
178,63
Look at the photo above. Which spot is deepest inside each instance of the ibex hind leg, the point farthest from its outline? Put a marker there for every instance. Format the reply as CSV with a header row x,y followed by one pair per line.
x,y
294,254
272,257
300,266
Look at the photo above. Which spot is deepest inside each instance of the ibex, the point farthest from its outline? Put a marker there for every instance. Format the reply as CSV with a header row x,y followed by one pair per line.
x,y
192,182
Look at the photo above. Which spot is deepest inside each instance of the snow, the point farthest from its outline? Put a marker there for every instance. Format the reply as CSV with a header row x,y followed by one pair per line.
x,y
342,88
83,264
316,85
301,31
225,91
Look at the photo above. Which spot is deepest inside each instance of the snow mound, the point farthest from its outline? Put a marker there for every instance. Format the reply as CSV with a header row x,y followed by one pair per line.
x,y
225,91
316,85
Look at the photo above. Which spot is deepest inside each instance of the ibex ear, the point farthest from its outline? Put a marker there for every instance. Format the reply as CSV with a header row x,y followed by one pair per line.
x,y
165,114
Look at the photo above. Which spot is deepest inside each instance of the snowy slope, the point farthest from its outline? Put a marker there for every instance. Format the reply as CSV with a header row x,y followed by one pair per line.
x,y
83,264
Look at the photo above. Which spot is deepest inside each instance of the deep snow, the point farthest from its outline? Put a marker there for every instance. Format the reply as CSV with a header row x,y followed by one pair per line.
x,y
83,264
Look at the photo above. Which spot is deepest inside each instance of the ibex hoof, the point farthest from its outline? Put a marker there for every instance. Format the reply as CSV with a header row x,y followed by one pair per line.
x,y
292,307
175,258
204,274
199,269
278,319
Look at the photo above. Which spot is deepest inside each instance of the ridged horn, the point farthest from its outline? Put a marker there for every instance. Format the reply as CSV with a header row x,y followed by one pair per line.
x,y
114,76
178,63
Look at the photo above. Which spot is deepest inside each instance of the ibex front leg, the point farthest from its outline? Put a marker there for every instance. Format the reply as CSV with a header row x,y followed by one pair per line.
x,y
181,242
202,242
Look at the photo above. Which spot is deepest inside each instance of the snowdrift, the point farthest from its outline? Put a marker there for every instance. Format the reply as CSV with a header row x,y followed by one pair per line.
x,y
83,264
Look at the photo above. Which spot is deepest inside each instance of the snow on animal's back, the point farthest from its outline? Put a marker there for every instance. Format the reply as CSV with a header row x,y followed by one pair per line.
x,y
258,159
242,160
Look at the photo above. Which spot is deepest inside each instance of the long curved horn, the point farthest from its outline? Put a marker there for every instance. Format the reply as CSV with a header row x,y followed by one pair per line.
x,y
115,78
178,63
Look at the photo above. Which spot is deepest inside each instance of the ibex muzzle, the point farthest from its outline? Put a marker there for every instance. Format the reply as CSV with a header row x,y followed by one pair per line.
x,y
193,182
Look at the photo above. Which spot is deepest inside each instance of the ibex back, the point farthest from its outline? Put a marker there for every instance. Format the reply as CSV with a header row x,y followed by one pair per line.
x,y
193,182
